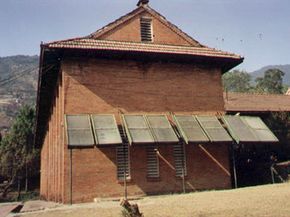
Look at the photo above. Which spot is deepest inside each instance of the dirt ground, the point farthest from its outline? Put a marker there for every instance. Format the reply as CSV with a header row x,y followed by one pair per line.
x,y
262,201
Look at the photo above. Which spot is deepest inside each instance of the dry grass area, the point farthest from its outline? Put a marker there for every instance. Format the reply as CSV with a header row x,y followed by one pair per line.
x,y
262,201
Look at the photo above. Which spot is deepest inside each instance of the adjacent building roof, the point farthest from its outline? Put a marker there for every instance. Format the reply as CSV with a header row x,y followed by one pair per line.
x,y
246,102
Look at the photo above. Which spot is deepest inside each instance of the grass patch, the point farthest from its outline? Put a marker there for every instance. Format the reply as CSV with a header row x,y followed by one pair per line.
x,y
24,196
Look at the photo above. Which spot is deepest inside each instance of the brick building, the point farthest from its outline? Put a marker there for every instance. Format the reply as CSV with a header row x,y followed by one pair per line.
x,y
132,109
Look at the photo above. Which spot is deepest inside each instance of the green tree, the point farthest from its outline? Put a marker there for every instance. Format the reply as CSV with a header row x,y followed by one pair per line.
x,y
279,123
272,82
237,81
18,154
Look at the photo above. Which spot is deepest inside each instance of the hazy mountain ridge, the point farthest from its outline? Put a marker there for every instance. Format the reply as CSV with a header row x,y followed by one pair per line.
x,y
284,68
18,73
18,83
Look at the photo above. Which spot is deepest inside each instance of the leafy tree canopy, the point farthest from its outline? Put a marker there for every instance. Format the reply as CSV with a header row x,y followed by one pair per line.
x,y
237,81
241,81
272,82
18,155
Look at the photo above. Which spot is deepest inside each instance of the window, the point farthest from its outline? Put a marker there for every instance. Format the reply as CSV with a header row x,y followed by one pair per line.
x,y
152,162
179,159
123,162
146,29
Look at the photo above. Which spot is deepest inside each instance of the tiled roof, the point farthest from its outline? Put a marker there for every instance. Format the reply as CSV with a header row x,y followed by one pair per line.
x,y
245,102
94,44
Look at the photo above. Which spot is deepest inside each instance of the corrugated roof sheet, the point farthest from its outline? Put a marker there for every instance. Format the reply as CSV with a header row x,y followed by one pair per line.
x,y
94,44
245,102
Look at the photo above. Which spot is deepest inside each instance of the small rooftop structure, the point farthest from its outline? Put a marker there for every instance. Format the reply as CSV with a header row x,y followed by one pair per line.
x,y
142,2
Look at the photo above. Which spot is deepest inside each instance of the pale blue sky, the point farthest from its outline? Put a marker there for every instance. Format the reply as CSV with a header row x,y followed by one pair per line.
x,y
256,29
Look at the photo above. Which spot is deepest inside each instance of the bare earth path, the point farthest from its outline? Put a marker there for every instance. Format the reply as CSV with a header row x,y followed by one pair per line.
x,y
262,201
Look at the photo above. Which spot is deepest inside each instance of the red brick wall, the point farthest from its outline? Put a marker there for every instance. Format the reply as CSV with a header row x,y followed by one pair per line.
x,y
53,151
94,172
107,86
130,31
104,86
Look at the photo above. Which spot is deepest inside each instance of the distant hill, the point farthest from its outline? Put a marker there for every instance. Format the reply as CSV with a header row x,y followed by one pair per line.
x,y
18,83
18,73
284,68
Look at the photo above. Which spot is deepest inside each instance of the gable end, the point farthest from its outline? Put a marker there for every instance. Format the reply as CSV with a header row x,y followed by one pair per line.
x,y
119,30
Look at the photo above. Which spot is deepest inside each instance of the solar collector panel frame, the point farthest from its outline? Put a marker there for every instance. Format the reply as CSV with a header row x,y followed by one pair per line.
x,y
75,138
184,129
239,130
135,130
106,130
258,130
214,129
161,129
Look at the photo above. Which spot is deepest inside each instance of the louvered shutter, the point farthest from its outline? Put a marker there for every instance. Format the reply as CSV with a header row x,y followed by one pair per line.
x,y
180,159
123,162
152,162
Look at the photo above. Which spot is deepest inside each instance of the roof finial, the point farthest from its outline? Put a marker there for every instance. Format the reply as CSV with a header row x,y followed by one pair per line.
x,y
142,2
